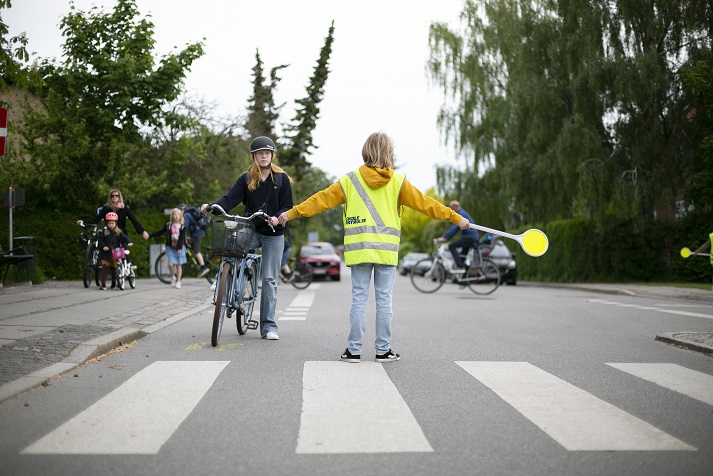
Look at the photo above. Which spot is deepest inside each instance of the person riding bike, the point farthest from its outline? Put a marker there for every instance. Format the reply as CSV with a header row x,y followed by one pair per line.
x,y
468,237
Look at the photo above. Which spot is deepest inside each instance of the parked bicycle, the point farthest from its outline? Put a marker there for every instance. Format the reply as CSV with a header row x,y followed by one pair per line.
x,y
480,274
239,273
89,239
125,270
190,268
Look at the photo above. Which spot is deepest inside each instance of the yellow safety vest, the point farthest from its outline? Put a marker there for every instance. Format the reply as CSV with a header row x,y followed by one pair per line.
x,y
710,237
372,221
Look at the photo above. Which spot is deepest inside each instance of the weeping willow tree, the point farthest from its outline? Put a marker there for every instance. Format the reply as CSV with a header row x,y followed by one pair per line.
x,y
565,108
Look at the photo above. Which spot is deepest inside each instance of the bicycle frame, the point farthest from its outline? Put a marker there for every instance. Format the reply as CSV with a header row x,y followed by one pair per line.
x,y
90,241
238,276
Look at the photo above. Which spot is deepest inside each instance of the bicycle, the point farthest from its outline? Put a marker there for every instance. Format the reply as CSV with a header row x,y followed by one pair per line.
x,y
239,272
89,239
125,271
302,274
481,275
164,275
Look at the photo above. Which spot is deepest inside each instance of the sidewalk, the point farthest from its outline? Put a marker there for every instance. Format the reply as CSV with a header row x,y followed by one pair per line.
x,y
47,330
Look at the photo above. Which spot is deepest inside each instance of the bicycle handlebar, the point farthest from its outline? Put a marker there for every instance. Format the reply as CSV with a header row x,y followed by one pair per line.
x,y
257,214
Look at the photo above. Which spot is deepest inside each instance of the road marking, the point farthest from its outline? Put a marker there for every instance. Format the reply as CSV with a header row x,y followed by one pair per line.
x,y
649,308
576,419
300,305
139,416
674,377
355,408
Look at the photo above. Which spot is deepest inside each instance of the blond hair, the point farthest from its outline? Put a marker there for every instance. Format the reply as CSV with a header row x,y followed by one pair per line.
x,y
180,215
378,151
254,176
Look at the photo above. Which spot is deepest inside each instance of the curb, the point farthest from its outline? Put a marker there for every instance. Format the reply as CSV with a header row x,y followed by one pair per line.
x,y
686,339
89,350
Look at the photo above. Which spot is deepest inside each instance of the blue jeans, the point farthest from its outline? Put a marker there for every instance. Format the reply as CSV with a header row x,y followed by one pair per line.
x,y
271,257
384,277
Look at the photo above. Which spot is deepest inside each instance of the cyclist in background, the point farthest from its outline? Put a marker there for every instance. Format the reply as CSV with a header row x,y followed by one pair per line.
x,y
468,237
192,217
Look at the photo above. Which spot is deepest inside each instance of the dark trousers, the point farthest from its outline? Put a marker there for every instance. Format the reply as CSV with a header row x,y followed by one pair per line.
x,y
465,243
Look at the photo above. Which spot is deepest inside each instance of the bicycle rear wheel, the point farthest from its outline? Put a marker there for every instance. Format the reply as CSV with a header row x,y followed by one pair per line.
x,y
428,275
302,275
485,279
132,276
160,267
222,303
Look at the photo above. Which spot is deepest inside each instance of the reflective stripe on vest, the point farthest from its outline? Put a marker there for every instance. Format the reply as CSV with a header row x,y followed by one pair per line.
x,y
371,236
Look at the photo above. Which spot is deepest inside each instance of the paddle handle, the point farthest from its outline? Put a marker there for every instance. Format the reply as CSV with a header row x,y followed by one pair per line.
x,y
496,232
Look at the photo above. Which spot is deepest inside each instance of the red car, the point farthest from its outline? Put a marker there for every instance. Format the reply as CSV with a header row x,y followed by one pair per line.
x,y
323,258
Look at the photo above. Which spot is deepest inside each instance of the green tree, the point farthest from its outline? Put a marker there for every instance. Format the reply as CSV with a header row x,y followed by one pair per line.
x,y
262,111
97,103
298,138
13,51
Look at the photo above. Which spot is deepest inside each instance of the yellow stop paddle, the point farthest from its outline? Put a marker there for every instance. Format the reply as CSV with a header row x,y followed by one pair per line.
x,y
534,242
685,252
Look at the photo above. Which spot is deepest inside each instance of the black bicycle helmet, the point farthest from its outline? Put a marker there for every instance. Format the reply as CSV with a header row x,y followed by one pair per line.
x,y
262,143
182,207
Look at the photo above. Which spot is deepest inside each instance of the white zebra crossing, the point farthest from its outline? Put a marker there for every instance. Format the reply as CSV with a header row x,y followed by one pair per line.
x,y
339,415
300,305
139,416
674,377
652,308
576,419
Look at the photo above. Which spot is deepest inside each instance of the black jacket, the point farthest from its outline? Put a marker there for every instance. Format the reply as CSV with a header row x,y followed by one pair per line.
x,y
276,196
167,229
111,240
123,214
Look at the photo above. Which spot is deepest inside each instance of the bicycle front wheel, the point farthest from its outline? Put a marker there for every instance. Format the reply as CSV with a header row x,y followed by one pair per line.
x,y
249,293
485,279
88,268
428,275
302,275
222,302
160,267
120,274
132,276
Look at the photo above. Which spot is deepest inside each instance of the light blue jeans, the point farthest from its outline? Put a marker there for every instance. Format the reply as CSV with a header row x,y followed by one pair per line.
x,y
271,257
384,277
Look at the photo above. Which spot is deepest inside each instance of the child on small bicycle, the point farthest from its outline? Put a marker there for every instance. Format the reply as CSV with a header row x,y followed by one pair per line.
x,y
175,232
109,239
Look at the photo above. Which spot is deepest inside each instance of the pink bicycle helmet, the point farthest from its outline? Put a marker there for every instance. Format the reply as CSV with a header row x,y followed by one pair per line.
x,y
111,216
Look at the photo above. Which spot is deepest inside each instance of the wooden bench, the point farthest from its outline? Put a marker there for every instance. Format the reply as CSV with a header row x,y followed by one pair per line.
x,y
13,258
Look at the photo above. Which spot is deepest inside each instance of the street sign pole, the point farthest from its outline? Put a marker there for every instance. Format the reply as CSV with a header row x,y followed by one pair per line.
x,y
10,207
3,130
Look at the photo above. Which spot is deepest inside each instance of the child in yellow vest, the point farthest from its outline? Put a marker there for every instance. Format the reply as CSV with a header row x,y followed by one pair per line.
x,y
373,197
707,244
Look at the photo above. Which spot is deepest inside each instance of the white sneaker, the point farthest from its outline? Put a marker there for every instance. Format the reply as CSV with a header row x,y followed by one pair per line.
x,y
212,286
272,336
173,281
178,285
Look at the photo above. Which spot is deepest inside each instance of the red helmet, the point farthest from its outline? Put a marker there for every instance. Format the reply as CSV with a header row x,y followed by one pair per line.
x,y
111,216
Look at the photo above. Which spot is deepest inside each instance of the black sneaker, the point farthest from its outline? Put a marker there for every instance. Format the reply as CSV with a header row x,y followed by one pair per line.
x,y
388,357
348,357
203,271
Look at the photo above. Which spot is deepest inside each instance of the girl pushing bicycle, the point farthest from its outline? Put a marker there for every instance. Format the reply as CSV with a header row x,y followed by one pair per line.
x,y
265,186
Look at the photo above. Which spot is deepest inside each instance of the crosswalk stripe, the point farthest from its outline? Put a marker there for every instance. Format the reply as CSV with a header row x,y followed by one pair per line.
x,y
355,408
139,416
574,418
298,308
674,377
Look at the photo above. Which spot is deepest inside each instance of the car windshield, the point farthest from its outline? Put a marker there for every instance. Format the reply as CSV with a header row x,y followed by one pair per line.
x,y
316,251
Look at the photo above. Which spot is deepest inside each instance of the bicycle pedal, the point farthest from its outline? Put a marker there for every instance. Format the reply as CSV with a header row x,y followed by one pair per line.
x,y
252,324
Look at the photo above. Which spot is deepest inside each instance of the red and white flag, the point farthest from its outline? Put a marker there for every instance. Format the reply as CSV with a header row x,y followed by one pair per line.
x,y
3,129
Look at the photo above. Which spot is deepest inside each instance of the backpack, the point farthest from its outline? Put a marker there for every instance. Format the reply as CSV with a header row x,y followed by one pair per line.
x,y
202,220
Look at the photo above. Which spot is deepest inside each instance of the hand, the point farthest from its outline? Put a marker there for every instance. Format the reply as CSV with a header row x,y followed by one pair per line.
x,y
282,219
204,209
106,248
273,221
464,224
145,235
441,239
130,244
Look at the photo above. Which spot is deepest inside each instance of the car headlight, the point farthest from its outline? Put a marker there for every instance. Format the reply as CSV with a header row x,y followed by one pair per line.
x,y
511,265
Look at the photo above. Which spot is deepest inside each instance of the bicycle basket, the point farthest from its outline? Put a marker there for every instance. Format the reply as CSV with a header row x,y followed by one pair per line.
x,y
231,238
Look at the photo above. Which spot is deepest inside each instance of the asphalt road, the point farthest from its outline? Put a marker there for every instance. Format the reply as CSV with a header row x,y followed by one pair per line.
x,y
530,380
